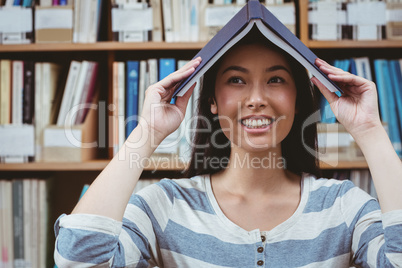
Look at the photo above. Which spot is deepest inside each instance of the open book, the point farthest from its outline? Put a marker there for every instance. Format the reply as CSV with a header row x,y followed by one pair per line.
x,y
254,13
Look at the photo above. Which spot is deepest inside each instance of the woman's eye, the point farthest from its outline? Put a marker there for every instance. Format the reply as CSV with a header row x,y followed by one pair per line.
x,y
236,80
275,79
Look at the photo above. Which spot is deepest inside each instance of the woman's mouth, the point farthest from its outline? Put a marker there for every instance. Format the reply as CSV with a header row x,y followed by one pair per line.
x,y
257,123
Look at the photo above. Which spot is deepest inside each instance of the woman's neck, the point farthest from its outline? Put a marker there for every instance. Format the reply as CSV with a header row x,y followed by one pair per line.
x,y
255,172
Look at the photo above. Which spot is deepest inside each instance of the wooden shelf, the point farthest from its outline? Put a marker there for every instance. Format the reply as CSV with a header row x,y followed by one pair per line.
x,y
96,165
102,46
354,44
157,165
344,165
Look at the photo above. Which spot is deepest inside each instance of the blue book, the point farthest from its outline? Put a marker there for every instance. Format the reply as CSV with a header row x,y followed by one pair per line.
x,y
397,76
17,2
394,87
379,70
63,3
84,189
353,69
254,14
133,70
27,3
166,67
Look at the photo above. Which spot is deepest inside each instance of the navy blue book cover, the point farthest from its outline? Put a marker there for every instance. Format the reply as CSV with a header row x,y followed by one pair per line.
x,y
253,10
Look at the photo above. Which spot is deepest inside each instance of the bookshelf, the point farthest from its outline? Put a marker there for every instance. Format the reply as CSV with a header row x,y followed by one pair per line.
x,y
68,178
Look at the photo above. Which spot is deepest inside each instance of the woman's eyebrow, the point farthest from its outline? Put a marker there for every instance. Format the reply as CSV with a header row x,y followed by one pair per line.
x,y
236,68
277,67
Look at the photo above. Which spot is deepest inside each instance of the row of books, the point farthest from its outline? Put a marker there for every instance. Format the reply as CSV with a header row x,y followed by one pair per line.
x,y
29,3
43,94
184,20
354,20
24,223
387,75
360,177
130,80
63,21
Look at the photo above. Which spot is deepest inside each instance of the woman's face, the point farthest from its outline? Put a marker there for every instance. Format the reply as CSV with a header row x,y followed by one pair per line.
x,y
255,97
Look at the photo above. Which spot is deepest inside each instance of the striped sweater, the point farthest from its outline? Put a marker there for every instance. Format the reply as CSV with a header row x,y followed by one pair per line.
x,y
178,223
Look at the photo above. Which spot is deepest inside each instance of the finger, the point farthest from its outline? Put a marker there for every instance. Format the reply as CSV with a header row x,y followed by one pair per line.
x,y
347,78
328,68
181,102
330,96
171,80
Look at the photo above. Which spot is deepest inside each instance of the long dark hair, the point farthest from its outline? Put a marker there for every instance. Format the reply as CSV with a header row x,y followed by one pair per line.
x,y
297,159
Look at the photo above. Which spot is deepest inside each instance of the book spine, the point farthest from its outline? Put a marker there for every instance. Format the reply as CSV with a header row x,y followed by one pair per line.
x,y
392,87
17,89
168,20
27,221
166,67
18,222
29,92
27,3
142,85
121,102
132,96
67,100
157,31
5,91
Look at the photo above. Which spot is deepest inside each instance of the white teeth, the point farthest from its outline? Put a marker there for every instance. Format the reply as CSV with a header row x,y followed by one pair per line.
x,y
252,123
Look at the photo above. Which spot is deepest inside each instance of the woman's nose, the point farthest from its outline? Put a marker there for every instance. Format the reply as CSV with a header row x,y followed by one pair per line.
x,y
256,98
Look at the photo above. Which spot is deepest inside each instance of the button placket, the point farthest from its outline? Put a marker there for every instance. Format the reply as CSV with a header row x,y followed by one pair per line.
x,y
260,254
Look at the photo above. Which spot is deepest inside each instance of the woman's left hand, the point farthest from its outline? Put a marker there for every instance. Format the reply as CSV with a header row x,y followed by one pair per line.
x,y
357,108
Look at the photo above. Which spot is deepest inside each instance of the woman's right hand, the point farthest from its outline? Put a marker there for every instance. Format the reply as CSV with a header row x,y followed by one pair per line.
x,y
159,116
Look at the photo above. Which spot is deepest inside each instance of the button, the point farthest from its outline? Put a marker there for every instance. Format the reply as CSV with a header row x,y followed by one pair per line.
x,y
260,249
260,263
263,238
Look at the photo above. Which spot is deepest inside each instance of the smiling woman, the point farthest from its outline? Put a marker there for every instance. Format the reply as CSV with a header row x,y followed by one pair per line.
x,y
252,197
230,77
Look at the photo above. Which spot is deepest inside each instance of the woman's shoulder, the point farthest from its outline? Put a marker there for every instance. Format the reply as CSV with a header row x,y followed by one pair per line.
x,y
331,191
175,187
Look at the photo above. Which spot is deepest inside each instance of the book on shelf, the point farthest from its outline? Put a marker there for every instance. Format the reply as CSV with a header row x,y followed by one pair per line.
x,y
355,20
254,14
16,23
24,222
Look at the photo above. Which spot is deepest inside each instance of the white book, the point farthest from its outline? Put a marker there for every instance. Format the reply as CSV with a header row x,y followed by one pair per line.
x,y
185,20
92,15
77,92
76,22
121,102
17,91
157,30
363,67
177,21
85,21
7,224
168,20
45,3
142,85
43,222
66,103
153,71
194,21
39,123
2,219
27,221
9,3
34,247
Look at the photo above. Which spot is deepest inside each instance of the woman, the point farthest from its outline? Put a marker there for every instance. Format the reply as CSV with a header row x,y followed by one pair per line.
x,y
241,210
